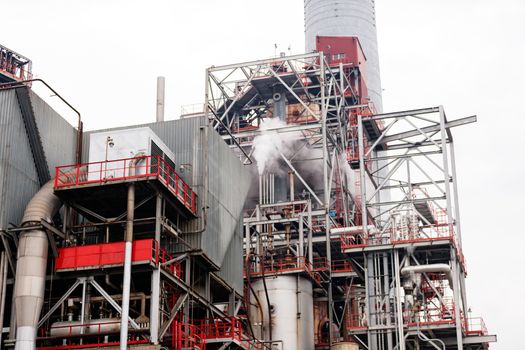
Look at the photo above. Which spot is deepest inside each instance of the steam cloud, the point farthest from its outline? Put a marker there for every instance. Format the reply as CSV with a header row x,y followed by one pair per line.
x,y
268,144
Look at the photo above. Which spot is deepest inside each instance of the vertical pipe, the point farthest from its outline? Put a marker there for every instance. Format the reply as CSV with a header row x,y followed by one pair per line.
x,y
399,308
388,311
155,279
292,186
161,84
310,232
83,308
326,195
128,239
457,301
3,278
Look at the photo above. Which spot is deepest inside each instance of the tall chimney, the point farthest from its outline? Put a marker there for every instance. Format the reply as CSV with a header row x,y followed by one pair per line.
x,y
160,98
347,18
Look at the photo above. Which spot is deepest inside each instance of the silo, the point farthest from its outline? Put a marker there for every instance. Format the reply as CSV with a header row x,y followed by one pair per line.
x,y
291,309
347,18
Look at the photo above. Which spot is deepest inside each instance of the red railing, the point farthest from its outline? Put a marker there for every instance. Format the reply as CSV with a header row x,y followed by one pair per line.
x,y
187,336
277,266
433,314
475,326
222,329
93,345
166,262
341,266
124,170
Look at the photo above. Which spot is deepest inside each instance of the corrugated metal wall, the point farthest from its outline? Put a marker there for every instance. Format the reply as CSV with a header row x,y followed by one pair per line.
x,y
18,178
228,186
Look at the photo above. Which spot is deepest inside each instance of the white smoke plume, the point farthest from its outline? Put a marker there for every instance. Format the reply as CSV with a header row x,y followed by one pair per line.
x,y
268,144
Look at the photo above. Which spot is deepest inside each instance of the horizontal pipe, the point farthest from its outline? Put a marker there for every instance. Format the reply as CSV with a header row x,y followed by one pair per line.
x,y
443,268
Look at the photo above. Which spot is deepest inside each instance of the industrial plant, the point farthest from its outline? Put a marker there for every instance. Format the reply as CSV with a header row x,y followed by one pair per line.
x,y
290,212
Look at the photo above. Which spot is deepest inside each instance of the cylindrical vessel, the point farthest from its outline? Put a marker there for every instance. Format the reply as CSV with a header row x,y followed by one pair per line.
x,y
102,325
291,311
347,18
345,346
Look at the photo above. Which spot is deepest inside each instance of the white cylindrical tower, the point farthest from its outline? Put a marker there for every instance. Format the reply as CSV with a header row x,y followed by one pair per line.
x,y
292,314
347,18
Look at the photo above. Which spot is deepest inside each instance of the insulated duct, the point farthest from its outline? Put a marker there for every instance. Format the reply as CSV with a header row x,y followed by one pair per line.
x,y
443,268
31,266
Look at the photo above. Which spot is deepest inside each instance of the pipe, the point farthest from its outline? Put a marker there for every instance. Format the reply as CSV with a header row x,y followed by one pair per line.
x,y
161,85
128,238
3,278
31,266
444,268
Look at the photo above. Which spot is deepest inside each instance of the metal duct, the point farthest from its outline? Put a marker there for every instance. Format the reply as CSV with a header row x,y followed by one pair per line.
x,y
347,18
31,266
443,268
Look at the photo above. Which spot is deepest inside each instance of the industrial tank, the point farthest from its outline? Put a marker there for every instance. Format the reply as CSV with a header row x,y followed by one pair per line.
x,y
345,346
347,18
292,314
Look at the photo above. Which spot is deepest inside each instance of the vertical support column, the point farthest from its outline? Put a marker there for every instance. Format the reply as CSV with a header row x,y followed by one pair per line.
x,y
446,174
3,279
310,233
83,307
326,155
399,307
386,286
301,237
362,170
457,300
128,239
187,280
458,221
155,279
370,289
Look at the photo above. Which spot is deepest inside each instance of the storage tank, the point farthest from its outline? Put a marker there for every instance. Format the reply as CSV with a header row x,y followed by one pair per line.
x,y
345,346
347,18
291,311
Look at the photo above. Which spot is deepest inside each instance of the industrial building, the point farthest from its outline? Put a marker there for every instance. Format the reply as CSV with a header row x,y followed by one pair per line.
x,y
291,212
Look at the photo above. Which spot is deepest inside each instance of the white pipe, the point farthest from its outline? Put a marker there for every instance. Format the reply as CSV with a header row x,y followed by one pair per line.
x,y
350,229
443,268
160,98
31,267
127,268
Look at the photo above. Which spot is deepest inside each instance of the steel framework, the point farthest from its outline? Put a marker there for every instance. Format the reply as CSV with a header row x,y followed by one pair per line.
x,y
374,193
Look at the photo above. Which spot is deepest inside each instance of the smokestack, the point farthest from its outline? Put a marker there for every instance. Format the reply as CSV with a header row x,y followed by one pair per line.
x,y
161,83
347,18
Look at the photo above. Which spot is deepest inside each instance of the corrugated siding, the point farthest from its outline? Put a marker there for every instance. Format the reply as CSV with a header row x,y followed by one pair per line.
x,y
18,178
228,186
58,136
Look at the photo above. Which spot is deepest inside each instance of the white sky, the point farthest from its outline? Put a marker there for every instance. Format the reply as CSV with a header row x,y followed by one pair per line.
x,y
104,56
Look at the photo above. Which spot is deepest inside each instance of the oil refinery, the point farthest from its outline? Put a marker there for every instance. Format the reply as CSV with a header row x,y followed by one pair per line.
x,y
290,212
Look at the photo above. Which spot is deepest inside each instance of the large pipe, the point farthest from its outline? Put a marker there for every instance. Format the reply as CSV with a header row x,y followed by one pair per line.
x,y
443,268
31,266
161,85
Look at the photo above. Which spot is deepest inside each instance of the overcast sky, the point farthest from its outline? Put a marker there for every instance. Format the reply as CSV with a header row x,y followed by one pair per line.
x,y
104,56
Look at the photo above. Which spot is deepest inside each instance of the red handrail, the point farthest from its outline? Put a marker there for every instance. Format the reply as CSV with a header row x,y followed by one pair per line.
x,y
103,172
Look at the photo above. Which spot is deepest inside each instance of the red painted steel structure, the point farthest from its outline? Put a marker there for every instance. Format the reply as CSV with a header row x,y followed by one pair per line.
x,y
95,256
111,171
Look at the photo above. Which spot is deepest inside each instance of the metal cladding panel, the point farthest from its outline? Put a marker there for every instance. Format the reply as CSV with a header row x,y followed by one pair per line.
x,y
347,18
58,137
228,183
18,178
